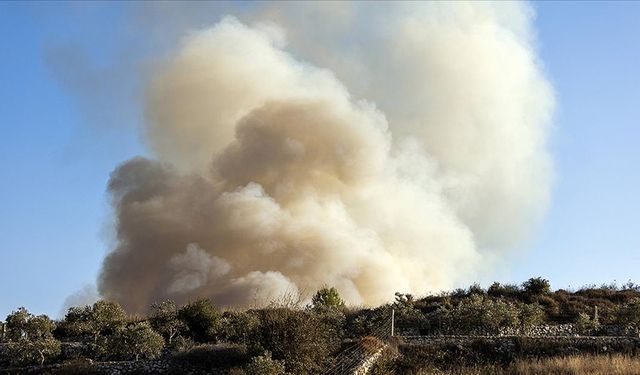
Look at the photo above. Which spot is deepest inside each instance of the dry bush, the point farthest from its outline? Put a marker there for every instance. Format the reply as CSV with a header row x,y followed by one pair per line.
x,y
299,338
370,344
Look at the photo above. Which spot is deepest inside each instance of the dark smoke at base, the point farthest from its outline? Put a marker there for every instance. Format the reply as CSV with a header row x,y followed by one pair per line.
x,y
269,178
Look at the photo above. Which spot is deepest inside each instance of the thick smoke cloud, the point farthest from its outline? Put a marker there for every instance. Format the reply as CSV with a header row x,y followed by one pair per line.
x,y
397,148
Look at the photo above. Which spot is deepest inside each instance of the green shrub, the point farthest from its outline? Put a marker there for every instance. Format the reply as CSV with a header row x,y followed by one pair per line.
x,y
264,365
202,320
367,322
25,352
537,286
239,326
530,315
629,314
586,325
334,319
476,312
507,290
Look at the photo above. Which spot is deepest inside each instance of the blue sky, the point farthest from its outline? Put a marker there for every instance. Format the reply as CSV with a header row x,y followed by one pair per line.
x,y
58,147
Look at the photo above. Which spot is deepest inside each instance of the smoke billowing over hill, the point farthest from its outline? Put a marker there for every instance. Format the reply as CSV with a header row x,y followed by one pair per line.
x,y
375,149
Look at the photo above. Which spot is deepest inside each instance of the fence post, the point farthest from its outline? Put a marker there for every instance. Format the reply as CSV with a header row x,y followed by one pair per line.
x,y
393,317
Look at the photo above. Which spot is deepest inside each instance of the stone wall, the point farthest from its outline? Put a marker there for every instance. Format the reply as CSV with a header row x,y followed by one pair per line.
x,y
509,347
106,368
117,368
540,330
617,330
545,330
158,366
366,365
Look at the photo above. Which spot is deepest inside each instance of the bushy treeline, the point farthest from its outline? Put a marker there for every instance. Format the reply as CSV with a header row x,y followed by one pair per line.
x,y
531,303
284,338
271,340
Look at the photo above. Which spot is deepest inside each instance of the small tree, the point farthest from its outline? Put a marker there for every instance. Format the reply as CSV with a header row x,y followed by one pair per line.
x,y
136,340
327,297
586,325
164,319
530,315
202,319
30,338
17,323
103,317
537,286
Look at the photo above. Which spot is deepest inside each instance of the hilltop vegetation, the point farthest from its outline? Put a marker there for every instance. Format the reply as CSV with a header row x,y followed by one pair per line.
x,y
287,337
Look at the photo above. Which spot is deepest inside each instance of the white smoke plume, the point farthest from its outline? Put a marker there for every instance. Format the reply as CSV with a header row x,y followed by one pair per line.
x,y
384,148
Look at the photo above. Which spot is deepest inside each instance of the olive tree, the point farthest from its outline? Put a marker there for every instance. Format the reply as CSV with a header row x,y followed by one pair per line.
x,y
164,319
477,312
103,317
136,340
30,338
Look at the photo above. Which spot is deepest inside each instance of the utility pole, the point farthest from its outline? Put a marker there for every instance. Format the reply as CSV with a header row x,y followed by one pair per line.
x,y
393,317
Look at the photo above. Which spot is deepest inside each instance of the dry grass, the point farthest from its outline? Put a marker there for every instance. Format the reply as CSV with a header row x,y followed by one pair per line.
x,y
574,365
578,365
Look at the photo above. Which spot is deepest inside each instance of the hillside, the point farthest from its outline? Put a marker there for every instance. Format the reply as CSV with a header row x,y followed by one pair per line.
x,y
502,327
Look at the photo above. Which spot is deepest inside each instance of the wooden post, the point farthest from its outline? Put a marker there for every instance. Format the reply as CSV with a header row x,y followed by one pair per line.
x,y
393,317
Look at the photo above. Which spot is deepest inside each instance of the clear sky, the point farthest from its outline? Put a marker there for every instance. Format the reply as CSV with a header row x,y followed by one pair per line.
x,y
57,147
